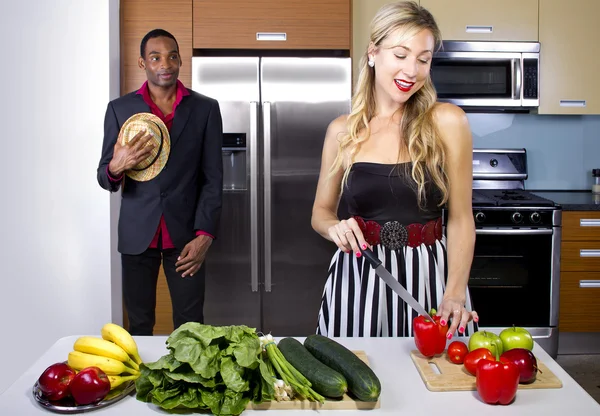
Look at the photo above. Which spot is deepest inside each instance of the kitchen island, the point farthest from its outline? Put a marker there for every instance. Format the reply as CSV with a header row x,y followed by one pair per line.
x,y
403,391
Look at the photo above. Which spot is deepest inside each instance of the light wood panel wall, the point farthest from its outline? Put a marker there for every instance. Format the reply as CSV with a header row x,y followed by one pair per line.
x,y
138,17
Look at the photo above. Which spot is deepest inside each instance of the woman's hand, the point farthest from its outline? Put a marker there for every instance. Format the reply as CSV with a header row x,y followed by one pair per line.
x,y
453,309
347,235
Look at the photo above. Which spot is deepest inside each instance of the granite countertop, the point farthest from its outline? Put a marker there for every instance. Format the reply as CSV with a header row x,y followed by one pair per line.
x,y
572,200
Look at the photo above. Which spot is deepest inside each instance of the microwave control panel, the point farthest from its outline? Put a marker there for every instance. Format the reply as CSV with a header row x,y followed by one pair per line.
x,y
530,78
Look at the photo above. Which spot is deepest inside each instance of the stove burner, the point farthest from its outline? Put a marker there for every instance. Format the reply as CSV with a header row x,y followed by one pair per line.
x,y
513,196
508,197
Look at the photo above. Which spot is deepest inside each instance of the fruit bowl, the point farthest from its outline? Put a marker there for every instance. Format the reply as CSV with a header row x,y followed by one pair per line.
x,y
68,405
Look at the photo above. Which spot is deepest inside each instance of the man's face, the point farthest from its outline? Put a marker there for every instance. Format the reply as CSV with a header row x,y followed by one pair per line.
x,y
161,61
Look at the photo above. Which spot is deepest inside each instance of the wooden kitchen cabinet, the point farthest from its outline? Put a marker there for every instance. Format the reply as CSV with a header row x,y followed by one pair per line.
x,y
138,17
579,309
569,34
306,24
497,20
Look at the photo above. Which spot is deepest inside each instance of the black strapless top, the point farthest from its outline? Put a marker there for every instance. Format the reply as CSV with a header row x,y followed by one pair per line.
x,y
386,192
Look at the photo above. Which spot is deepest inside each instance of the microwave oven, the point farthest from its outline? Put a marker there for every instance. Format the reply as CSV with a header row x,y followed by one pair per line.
x,y
488,76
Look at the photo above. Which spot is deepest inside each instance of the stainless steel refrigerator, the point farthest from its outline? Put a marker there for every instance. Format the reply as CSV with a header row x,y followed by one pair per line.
x,y
267,267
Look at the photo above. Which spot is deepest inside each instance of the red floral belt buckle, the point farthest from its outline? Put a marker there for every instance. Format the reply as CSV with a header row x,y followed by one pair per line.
x,y
394,235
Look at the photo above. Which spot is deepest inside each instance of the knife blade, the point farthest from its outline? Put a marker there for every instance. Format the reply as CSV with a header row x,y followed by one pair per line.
x,y
387,277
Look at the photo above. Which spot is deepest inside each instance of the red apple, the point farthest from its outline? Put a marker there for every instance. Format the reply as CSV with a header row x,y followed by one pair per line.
x,y
525,361
55,380
90,385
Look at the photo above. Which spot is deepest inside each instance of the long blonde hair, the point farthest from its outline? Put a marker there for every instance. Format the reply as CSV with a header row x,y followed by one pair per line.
x,y
419,132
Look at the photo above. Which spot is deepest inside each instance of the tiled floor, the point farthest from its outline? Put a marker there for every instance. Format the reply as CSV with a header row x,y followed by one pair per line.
x,y
585,370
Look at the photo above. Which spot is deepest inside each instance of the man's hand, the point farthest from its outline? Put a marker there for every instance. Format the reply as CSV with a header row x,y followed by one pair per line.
x,y
192,256
127,156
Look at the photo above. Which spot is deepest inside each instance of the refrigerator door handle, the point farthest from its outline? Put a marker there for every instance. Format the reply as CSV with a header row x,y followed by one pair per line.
x,y
267,191
253,150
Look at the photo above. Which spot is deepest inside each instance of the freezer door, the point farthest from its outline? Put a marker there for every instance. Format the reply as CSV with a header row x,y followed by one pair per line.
x,y
232,265
300,96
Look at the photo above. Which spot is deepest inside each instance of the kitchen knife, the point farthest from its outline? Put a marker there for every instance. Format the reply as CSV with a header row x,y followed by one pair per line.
x,y
387,277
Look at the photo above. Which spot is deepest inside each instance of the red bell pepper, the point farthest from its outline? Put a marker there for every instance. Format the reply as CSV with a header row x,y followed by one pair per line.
x,y
497,380
430,336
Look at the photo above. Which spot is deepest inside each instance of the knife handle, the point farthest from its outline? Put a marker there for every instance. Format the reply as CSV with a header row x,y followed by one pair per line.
x,y
371,258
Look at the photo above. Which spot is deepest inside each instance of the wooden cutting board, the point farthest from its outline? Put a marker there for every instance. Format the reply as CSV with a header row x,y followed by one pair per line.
x,y
454,377
344,403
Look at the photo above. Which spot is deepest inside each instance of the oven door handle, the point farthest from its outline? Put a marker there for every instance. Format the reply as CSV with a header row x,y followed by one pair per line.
x,y
514,231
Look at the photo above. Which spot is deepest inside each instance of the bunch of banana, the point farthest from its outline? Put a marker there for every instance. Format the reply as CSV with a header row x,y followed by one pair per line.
x,y
115,353
120,336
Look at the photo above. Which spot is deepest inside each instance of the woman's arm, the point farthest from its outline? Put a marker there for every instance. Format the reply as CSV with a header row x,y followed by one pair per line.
x,y
454,129
327,198
346,233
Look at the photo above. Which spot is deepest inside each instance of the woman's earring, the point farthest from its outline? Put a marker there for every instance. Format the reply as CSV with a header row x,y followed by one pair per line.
x,y
371,63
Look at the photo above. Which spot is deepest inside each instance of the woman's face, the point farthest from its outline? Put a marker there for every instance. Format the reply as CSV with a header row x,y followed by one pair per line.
x,y
402,69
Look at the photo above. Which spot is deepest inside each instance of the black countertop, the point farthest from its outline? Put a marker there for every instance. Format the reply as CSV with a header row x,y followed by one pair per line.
x,y
572,200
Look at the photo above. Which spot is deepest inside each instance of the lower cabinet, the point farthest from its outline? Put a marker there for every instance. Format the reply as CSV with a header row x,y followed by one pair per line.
x,y
579,309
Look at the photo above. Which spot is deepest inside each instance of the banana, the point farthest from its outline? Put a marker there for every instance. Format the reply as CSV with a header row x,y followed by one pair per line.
x,y
116,381
80,360
102,347
120,336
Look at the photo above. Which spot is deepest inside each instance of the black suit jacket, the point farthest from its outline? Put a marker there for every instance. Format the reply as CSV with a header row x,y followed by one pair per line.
x,y
188,191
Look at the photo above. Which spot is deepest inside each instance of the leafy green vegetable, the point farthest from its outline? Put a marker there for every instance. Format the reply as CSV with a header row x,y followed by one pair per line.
x,y
216,368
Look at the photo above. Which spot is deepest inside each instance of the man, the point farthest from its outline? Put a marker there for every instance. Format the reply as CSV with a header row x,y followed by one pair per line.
x,y
174,216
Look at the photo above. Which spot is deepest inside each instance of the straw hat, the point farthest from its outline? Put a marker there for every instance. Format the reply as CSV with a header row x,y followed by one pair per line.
x,y
150,167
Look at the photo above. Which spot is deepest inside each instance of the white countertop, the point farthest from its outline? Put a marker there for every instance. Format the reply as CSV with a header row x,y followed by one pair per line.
x,y
403,391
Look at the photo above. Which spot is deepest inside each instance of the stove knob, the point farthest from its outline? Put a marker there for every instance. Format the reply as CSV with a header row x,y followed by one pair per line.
x,y
535,217
480,217
517,217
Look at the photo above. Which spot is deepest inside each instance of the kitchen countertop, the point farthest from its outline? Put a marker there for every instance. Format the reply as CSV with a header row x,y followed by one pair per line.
x,y
403,391
572,200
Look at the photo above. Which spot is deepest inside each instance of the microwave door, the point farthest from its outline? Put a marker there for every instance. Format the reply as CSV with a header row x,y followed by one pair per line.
x,y
478,79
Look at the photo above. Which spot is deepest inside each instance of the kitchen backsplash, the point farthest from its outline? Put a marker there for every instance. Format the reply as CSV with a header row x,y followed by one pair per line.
x,y
561,150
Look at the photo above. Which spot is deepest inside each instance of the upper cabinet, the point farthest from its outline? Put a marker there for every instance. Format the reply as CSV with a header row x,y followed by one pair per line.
x,y
497,20
272,24
138,17
569,37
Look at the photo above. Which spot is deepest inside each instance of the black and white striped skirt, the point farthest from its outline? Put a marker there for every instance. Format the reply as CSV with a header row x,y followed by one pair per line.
x,y
357,303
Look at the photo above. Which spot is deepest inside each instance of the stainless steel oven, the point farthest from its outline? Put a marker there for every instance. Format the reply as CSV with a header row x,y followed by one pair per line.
x,y
488,76
515,273
515,277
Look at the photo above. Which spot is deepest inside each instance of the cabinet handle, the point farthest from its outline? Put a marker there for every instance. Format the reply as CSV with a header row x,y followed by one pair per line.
x,y
479,29
572,103
589,223
271,36
589,253
589,284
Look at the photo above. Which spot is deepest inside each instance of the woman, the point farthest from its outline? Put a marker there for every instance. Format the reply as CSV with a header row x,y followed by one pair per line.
x,y
397,159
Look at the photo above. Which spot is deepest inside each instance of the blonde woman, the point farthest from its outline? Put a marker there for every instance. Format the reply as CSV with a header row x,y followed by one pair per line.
x,y
397,160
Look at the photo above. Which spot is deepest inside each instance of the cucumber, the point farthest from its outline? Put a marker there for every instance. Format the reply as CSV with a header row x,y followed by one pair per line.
x,y
362,381
324,380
